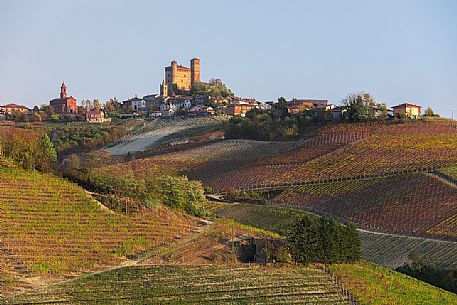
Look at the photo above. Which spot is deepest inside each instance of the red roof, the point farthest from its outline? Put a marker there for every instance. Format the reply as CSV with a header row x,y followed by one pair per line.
x,y
406,105
14,106
94,112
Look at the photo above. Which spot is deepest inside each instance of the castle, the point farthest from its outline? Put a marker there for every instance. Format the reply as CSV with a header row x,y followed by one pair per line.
x,y
183,77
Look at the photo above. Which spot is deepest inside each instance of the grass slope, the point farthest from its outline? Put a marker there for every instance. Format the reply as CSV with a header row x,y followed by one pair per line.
x,y
372,284
387,250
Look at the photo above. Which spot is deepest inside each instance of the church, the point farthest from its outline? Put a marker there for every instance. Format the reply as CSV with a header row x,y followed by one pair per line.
x,y
64,104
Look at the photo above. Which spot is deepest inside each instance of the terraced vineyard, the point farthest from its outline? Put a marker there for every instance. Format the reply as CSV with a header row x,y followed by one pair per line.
x,y
384,249
201,160
415,204
158,131
394,148
205,284
53,227
393,250
373,284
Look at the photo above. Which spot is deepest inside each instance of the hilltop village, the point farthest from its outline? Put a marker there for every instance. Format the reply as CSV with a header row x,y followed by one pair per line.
x,y
182,93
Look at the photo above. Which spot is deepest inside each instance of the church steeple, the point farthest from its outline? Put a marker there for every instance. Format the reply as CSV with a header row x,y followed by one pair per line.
x,y
63,90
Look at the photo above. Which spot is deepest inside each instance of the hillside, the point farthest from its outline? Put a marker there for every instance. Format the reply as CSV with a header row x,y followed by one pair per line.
x,y
51,227
204,284
341,151
373,284
385,249
416,204
161,131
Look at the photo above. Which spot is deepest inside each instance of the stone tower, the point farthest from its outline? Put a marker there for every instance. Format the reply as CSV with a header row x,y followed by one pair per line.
x,y
194,70
63,90
164,89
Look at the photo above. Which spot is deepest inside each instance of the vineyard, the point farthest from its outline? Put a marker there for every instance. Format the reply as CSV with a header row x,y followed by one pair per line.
x,y
393,250
373,284
158,131
204,284
389,149
220,242
415,204
198,161
450,171
344,152
384,249
53,227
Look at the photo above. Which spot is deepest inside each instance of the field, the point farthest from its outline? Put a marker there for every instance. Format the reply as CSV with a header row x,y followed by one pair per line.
x,y
373,284
198,161
204,284
160,131
390,149
450,171
416,204
384,249
54,227
341,152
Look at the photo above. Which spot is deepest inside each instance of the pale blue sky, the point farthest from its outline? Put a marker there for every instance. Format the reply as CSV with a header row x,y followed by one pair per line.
x,y
400,51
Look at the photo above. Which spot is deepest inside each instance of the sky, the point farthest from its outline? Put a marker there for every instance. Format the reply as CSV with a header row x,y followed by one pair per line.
x,y
399,51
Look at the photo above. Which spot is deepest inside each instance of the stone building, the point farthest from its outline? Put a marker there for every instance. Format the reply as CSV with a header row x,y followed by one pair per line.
x,y
64,104
9,109
183,77
407,109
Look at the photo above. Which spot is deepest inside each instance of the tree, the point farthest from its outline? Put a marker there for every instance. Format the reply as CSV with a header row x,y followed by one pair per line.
x,y
304,240
352,246
324,240
282,103
112,105
97,105
361,107
47,154
37,117
429,112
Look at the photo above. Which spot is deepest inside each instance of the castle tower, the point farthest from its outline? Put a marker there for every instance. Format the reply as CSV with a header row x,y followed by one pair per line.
x,y
63,90
194,70
174,73
164,89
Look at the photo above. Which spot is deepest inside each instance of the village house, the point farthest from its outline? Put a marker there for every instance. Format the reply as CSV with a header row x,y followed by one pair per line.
x,y
239,109
152,101
168,109
339,113
200,110
9,109
296,106
96,116
136,104
408,110
65,104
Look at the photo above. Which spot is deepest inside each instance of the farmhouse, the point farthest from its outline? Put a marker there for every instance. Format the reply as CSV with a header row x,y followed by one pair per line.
x,y
406,109
96,116
64,104
9,109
